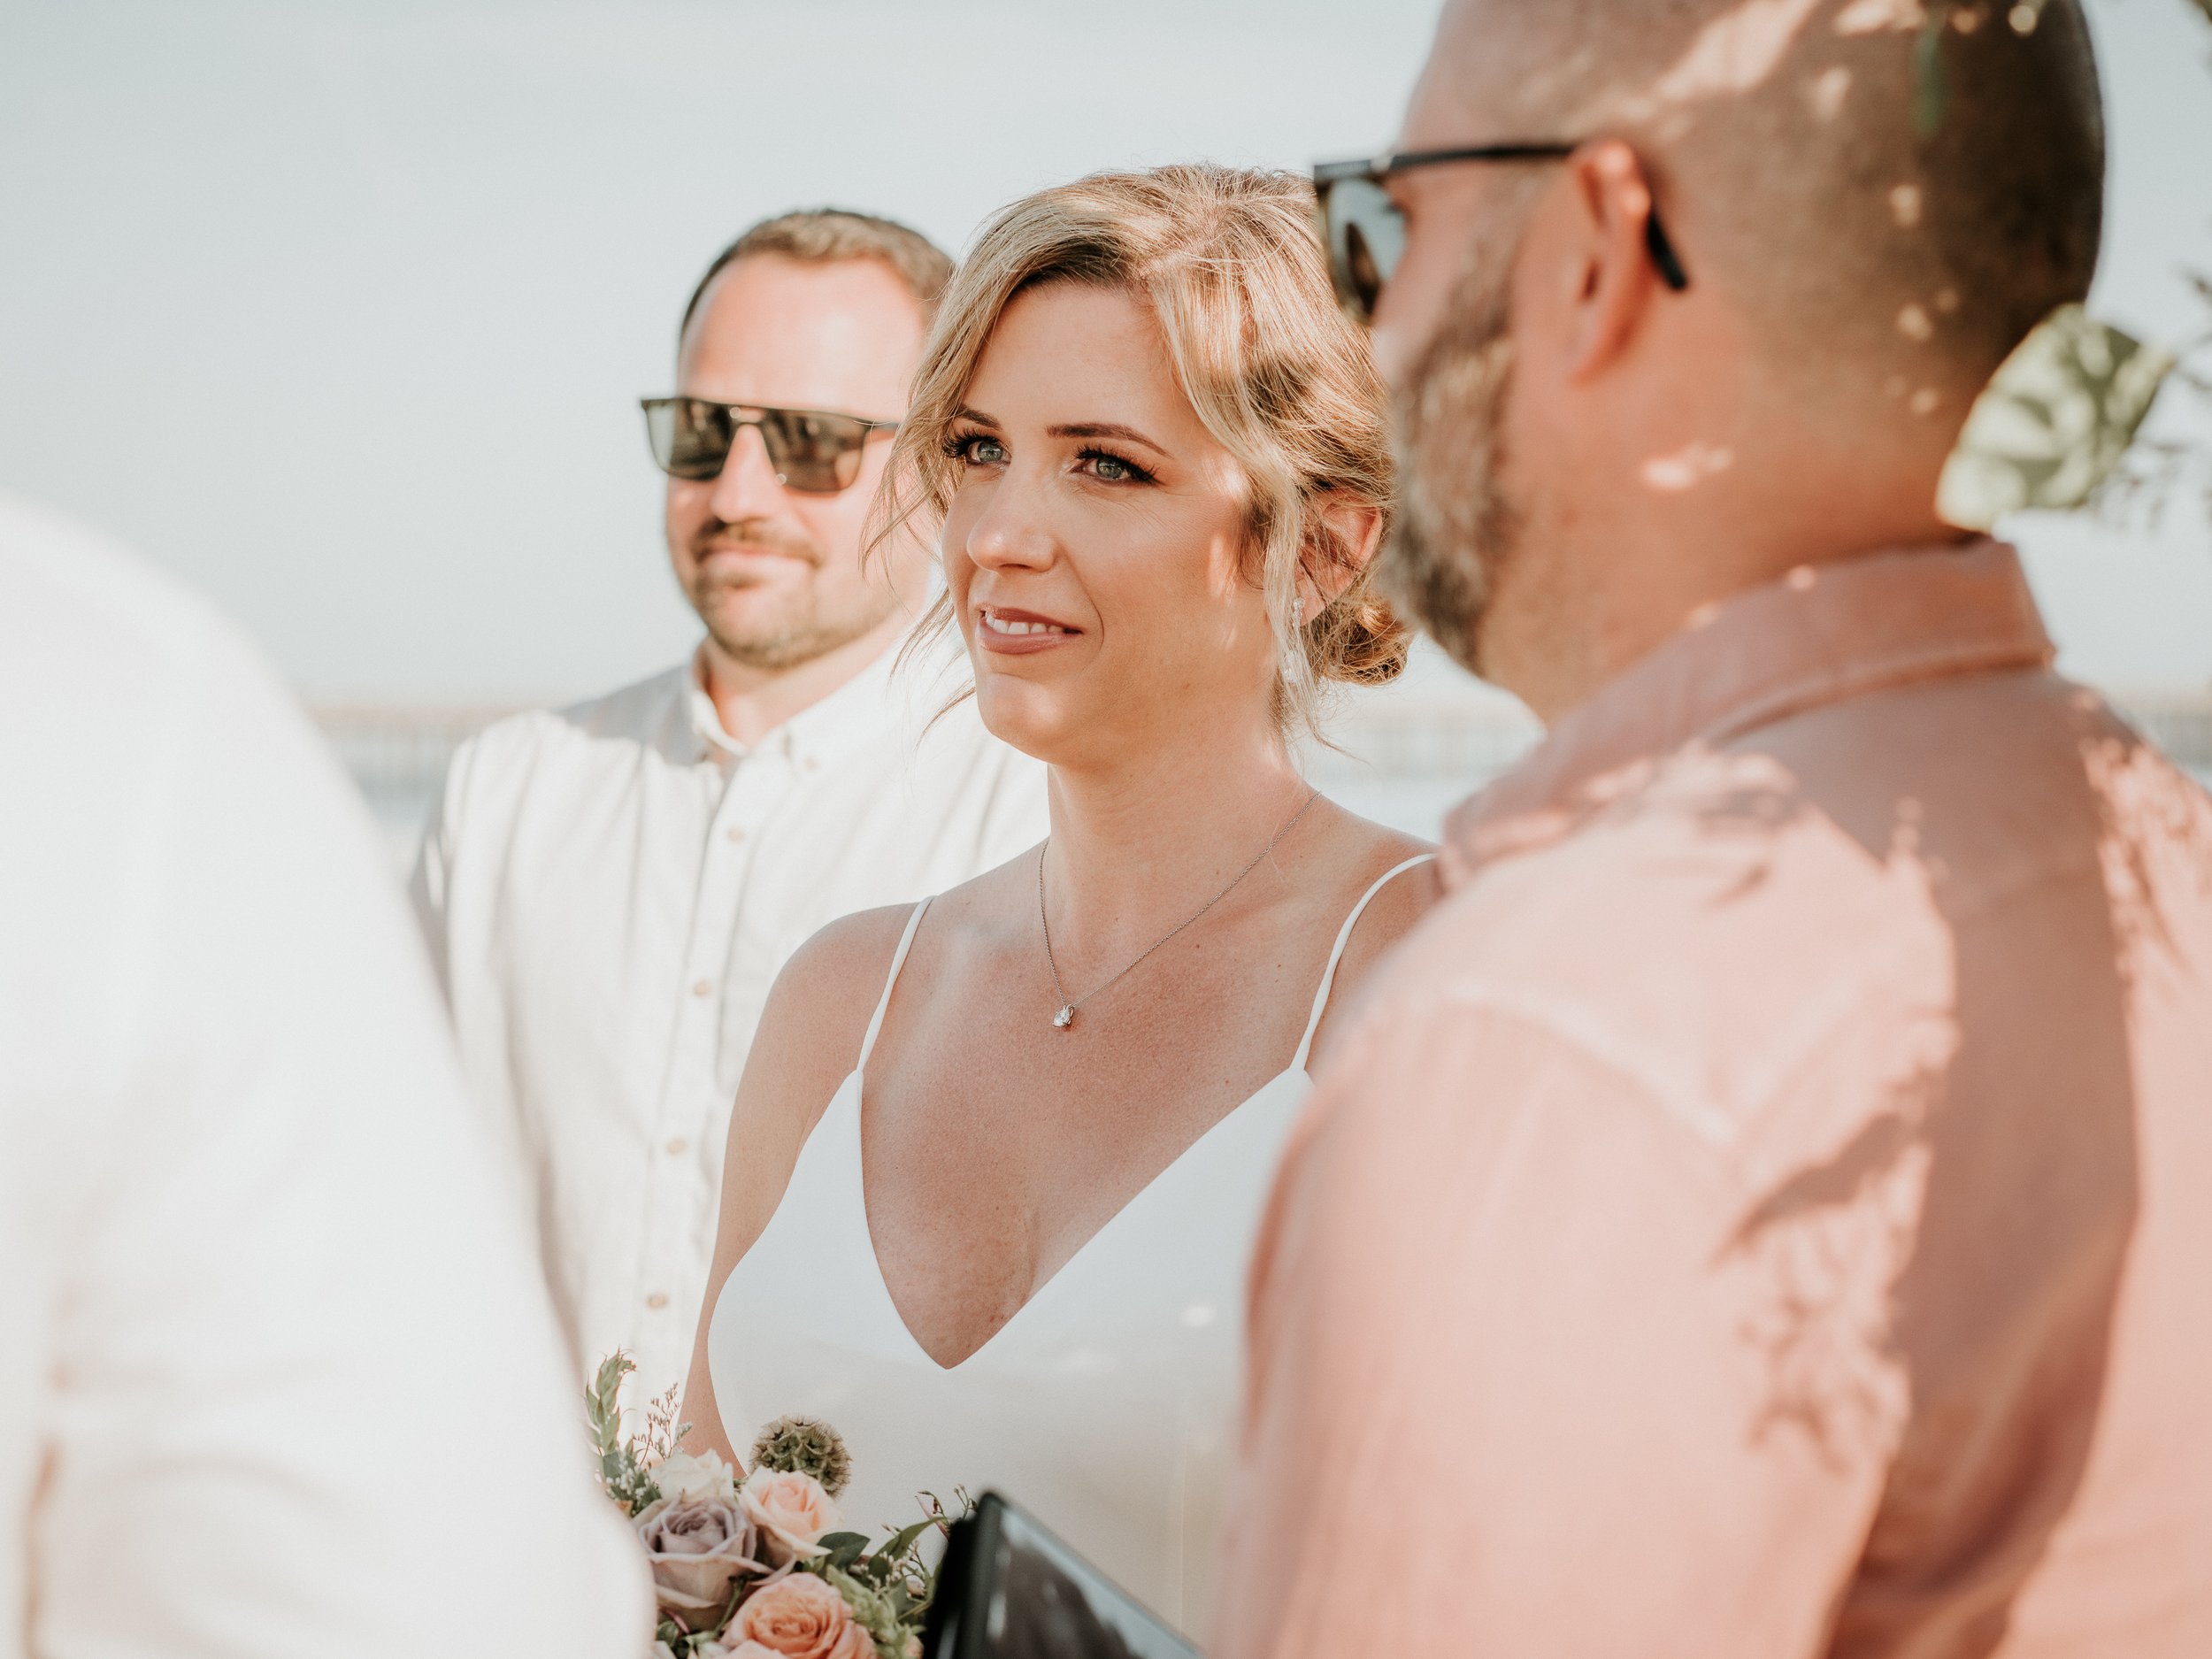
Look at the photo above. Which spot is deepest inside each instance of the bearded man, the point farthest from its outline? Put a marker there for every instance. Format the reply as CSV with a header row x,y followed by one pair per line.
x,y
610,889
1761,1212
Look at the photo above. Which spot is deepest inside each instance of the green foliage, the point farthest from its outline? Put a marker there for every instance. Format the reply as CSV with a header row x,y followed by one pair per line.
x,y
2055,421
2158,470
623,1464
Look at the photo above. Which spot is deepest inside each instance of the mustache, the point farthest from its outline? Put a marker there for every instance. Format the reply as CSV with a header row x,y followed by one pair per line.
x,y
756,535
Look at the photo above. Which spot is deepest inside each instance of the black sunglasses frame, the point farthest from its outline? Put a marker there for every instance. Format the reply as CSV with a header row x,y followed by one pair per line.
x,y
1375,169
759,417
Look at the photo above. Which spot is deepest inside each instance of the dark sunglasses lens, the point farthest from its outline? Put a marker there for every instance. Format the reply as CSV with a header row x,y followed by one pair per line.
x,y
690,439
818,453
1366,235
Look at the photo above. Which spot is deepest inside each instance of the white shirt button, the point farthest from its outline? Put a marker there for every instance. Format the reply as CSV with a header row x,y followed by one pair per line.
x,y
656,1300
679,1147
703,987
734,834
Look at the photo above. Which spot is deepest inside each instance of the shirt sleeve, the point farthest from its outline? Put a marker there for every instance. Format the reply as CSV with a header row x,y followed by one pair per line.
x,y
1519,1387
308,1394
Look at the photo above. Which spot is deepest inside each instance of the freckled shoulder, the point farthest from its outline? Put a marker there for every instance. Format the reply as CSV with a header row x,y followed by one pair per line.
x,y
821,1000
1403,899
1389,917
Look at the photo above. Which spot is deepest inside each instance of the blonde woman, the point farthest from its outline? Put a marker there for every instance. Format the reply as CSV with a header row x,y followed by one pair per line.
x,y
999,1157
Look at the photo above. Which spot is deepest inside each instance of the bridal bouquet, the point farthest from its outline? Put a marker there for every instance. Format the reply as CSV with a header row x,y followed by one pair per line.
x,y
757,1567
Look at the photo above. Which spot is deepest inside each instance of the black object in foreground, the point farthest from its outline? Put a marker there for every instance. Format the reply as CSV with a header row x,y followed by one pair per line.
x,y
1008,1589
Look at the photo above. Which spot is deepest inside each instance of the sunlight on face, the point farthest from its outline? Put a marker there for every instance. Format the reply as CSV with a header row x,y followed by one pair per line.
x,y
775,573
1095,544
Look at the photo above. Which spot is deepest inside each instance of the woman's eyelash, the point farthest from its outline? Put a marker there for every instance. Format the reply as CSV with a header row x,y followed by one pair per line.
x,y
1137,474
960,446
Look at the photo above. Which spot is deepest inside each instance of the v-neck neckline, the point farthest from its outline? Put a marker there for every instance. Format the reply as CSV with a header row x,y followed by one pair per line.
x,y
856,1083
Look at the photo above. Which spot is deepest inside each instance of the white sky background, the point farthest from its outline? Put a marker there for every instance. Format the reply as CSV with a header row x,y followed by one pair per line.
x,y
339,309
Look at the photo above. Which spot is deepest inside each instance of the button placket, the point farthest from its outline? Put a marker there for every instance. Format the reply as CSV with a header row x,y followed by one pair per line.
x,y
680,1193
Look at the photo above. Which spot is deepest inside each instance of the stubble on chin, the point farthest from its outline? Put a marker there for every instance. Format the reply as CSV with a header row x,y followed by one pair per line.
x,y
1457,525
772,626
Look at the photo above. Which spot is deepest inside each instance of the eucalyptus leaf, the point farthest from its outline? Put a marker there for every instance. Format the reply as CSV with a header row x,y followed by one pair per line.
x,y
900,1543
844,1547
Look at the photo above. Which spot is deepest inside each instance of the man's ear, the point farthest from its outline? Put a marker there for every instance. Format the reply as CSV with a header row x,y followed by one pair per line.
x,y
1354,528
1609,271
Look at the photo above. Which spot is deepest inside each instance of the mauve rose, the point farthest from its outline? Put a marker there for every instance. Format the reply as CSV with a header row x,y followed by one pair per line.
x,y
798,1618
791,1511
696,1550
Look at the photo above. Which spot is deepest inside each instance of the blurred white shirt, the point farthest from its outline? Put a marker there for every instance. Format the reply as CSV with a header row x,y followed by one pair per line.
x,y
276,1376
611,890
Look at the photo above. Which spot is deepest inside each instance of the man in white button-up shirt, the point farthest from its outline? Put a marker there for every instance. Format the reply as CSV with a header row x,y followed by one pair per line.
x,y
610,890
277,1376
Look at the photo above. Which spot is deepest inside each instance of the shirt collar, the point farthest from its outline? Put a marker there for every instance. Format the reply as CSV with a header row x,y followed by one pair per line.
x,y
702,720
816,737
1821,635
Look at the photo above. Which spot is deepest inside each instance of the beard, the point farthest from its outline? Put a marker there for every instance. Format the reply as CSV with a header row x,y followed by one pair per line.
x,y
1457,526
775,627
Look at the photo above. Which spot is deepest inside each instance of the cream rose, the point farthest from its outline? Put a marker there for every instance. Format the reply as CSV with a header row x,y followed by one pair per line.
x,y
696,1551
792,1511
797,1618
687,1479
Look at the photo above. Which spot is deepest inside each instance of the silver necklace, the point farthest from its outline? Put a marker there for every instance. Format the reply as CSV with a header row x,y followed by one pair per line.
x,y
1064,1019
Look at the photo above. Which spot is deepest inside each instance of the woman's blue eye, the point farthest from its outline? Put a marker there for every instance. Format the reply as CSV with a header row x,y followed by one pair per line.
x,y
1109,468
976,448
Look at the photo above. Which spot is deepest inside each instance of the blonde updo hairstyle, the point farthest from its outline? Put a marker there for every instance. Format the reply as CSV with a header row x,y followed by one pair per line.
x,y
1230,262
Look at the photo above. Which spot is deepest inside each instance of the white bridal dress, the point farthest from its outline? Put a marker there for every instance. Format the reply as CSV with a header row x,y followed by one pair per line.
x,y
1107,1406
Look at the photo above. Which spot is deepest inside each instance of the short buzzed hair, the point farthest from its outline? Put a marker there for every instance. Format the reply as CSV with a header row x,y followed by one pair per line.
x,y
823,235
1901,190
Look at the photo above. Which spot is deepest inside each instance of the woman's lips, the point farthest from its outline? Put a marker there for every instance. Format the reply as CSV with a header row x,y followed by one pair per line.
x,y
1010,632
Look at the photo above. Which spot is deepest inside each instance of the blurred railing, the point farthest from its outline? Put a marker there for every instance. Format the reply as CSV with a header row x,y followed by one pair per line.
x,y
1405,751
397,750
2180,722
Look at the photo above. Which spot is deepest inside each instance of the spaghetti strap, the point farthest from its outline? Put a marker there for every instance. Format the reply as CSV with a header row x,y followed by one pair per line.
x,y
1328,974
898,961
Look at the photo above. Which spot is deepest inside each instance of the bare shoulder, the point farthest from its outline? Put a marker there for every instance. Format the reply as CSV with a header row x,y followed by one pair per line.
x,y
806,1045
1381,854
1375,853
811,1030
819,1009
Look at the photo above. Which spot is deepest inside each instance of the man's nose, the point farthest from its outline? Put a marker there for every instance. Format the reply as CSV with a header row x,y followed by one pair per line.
x,y
748,487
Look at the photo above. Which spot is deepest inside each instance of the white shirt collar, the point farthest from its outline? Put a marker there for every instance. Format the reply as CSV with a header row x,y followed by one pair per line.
x,y
818,734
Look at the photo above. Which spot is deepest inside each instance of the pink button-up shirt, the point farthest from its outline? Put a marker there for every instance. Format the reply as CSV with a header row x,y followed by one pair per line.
x,y
1766,1209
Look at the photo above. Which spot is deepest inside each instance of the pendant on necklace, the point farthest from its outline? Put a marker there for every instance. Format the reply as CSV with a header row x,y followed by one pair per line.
x,y
1066,1018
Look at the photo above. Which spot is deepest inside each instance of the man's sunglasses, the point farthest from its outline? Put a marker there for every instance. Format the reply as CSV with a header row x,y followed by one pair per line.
x,y
812,451
1366,233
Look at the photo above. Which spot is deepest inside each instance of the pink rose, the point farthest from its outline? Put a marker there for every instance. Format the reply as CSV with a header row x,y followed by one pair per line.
x,y
697,1550
791,1511
797,1618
